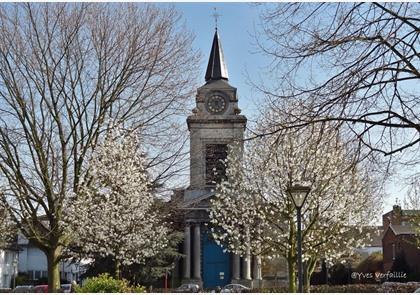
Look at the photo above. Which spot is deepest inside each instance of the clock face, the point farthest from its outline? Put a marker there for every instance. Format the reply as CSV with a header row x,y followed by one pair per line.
x,y
216,104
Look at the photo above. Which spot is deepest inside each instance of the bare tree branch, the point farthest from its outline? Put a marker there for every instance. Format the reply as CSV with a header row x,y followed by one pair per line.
x,y
68,71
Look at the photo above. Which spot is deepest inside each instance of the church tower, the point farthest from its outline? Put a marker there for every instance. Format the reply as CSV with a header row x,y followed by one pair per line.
x,y
215,122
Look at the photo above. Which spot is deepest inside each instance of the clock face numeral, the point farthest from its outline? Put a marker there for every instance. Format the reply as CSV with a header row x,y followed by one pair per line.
x,y
216,104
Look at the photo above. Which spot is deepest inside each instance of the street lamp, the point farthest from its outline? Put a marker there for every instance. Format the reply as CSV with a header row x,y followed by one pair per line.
x,y
298,194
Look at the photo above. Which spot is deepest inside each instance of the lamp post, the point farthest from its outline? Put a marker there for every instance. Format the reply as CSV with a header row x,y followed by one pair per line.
x,y
298,194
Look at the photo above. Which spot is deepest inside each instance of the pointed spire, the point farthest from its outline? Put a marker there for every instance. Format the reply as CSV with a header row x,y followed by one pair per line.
x,y
216,68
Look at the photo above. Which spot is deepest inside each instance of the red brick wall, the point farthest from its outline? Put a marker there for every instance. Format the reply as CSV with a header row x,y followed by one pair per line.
x,y
411,251
387,241
403,243
394,217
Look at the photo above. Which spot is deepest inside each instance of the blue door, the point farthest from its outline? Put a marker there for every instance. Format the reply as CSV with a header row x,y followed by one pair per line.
x,y
216,264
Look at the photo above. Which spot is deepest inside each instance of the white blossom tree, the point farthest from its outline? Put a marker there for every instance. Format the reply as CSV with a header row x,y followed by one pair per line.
x,y
66,71
113,216
252,212
7,227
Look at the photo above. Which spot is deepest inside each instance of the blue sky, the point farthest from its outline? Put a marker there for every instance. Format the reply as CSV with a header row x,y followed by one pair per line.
x,y
235,26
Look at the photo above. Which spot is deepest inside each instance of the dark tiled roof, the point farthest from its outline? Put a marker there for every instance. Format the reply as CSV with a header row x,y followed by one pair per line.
x,y
216,68
402,229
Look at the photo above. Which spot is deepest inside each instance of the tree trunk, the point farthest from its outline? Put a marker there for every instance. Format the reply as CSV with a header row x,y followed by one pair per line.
x,y
309,269
117,269
307,279
53,260
291,265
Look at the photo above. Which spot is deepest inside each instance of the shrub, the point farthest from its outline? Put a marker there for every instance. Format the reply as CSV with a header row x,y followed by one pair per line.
x,y
388,287
138,289
269,290
340,274
400,265
355,288
22,279
104,283
371,265
397,287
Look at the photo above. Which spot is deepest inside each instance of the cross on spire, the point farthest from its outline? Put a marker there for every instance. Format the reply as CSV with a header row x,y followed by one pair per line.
x,y
216,16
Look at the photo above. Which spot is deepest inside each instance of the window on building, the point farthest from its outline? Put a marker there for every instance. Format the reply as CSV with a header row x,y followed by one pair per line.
x,y
37,274
7,258
393,252
31,274
44,274
5,282
216,154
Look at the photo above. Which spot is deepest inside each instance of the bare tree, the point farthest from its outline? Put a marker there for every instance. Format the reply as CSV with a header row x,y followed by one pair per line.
x,y
66,72
357,64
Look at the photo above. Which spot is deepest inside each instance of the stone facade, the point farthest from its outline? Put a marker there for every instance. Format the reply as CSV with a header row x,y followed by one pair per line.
x,y
207,128
215,121
8,267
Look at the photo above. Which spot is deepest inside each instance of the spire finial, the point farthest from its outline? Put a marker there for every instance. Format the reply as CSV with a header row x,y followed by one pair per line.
x,y
216,16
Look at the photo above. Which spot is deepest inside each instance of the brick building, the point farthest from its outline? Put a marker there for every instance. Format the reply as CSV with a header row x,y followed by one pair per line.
x,y
399,238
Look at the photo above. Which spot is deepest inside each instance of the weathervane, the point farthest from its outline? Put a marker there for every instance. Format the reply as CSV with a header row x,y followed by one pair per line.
x,y
216,16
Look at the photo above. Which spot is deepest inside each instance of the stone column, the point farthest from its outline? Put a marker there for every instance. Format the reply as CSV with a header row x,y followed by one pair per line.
x,y
246,264
187,252
246,267
197,252
236,264
256,271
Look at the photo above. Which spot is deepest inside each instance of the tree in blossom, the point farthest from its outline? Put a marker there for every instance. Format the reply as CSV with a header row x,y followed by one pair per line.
x,y
7,227
113,215
252,213
66,71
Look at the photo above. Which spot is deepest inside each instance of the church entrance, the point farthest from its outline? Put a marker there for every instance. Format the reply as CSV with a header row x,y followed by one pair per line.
x,y
216,264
